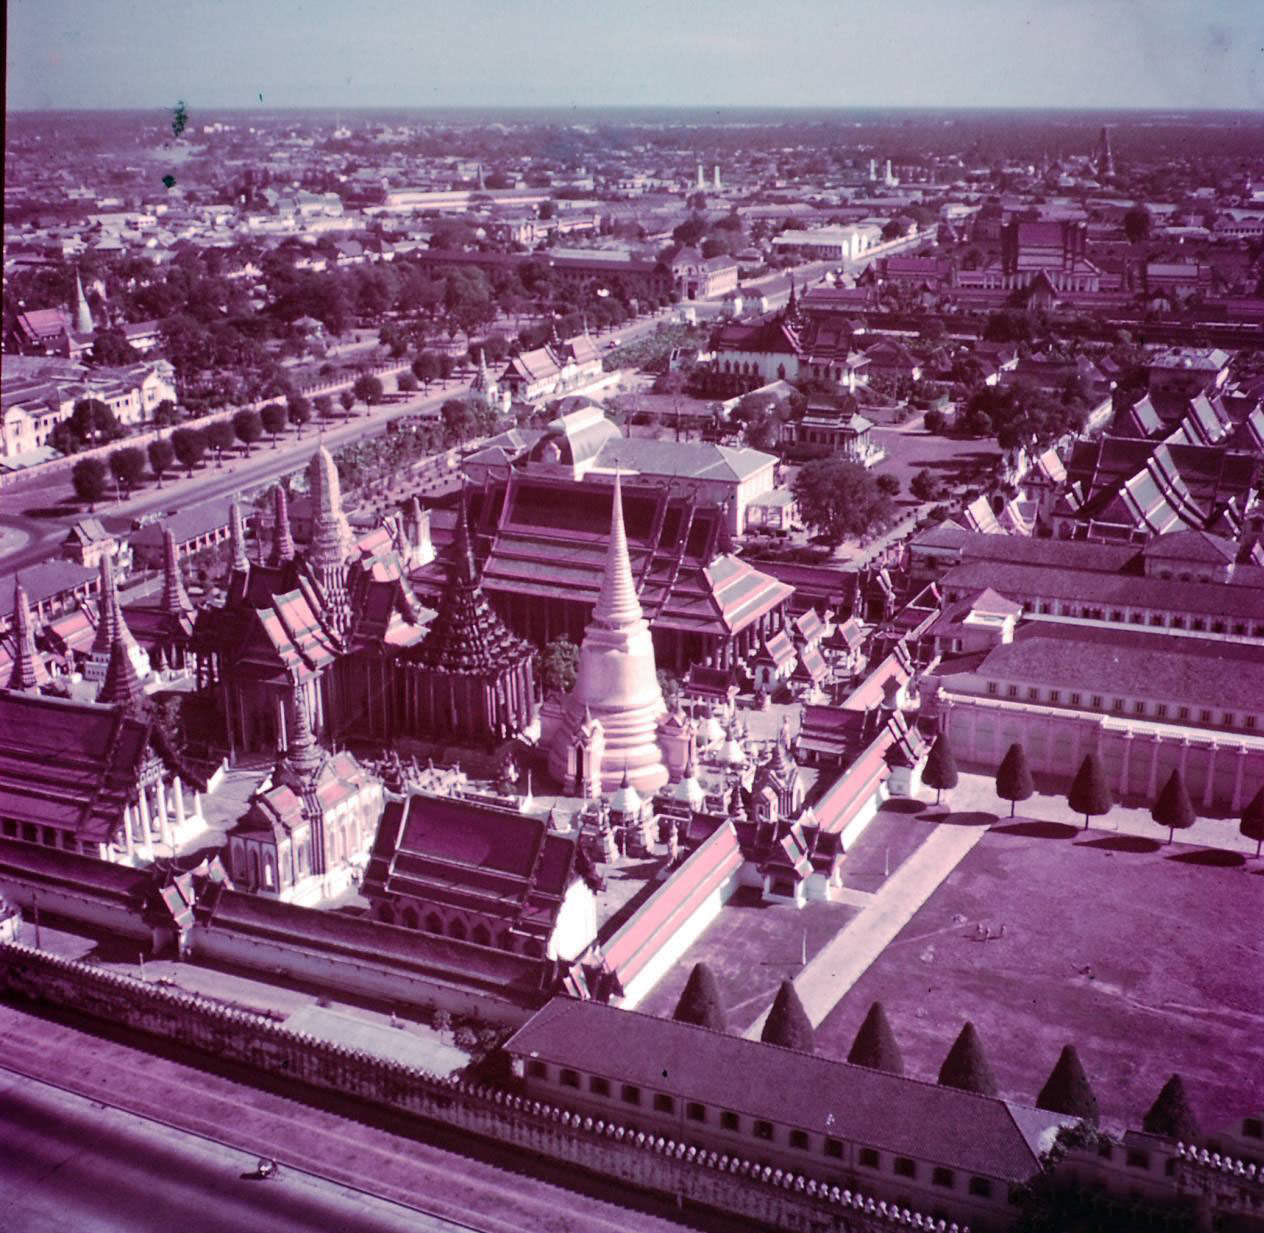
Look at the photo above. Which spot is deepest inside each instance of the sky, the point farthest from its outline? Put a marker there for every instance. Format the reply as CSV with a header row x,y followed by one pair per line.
x,y
1177,54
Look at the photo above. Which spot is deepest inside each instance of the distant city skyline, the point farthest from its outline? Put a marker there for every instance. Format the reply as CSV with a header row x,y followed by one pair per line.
x,y
1126,54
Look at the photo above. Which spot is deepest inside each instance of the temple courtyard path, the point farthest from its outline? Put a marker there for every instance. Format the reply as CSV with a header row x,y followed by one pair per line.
x,y
842,961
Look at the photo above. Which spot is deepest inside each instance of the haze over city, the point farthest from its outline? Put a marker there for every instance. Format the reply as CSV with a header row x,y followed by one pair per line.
x,y
817,53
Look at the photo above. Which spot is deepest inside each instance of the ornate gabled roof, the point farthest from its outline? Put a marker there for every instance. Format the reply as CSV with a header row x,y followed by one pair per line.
x,y
467,637
29,670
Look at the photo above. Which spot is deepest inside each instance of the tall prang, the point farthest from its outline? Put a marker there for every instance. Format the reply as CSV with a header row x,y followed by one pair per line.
x,y
83,314
616,685
332,544
111,627
29,671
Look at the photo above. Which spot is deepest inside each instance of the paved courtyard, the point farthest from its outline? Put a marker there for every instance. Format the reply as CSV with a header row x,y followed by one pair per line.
x,y
1148,960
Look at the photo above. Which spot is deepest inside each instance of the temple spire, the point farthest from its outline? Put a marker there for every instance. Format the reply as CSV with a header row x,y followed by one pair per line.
x,y
332,542
175,599
302,753
121,686
463,567
110,624
282,537
237,536
617,603
28,670
83,314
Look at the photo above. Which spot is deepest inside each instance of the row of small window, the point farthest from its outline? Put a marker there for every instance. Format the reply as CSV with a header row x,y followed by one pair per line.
x,y
1160,710
800,1140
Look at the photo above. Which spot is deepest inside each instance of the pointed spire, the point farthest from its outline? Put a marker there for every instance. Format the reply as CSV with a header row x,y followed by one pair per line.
x,y
617,603
237,536
121,686
83,314
28,670
282,537
332,542
175,598
463,567
110,624
302,754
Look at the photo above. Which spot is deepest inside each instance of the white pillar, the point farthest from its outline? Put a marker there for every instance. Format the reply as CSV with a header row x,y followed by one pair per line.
x,y
1152,783
1125,761
164,823
129,848
1240,765
1209,789
177,798
145,837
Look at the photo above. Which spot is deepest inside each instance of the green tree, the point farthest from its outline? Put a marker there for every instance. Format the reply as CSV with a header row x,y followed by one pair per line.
x,y
406,383
161,456
299,411
840,499
1252,824
559,663
248,427
348,399
1173,808
1090,791
93,421
700,1002
128,466
940,771
426,368
1137,224
189,446
788,1024
220,437
1013,777
1067,1090
89,478
966,1066
274,420
368,389
165,414
924,486
875,1044
111,348
324,406
888,483
1171,1116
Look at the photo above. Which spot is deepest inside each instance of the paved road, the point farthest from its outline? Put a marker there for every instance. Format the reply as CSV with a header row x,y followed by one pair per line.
x,y
485,1187
72,1165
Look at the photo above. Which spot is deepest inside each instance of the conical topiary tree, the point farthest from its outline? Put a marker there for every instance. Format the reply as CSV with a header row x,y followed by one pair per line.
x,y
1170,1115
1173,808
1067,1090
1090,793
788,1023
1013,777
966,1065
941,767
700,1002
875,1045
1252,825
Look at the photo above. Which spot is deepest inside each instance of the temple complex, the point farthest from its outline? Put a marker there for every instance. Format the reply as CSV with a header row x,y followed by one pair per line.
x,y
609,726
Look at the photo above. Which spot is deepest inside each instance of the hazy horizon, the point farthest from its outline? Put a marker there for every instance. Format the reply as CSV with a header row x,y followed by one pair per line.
x,y
1079,55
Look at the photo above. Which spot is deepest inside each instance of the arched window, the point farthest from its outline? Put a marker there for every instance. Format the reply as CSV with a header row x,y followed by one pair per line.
x,y
434,922
408,918
481,935
254,867
386,913
458,931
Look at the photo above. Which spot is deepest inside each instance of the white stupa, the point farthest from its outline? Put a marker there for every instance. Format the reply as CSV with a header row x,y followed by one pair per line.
x,y
616,695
